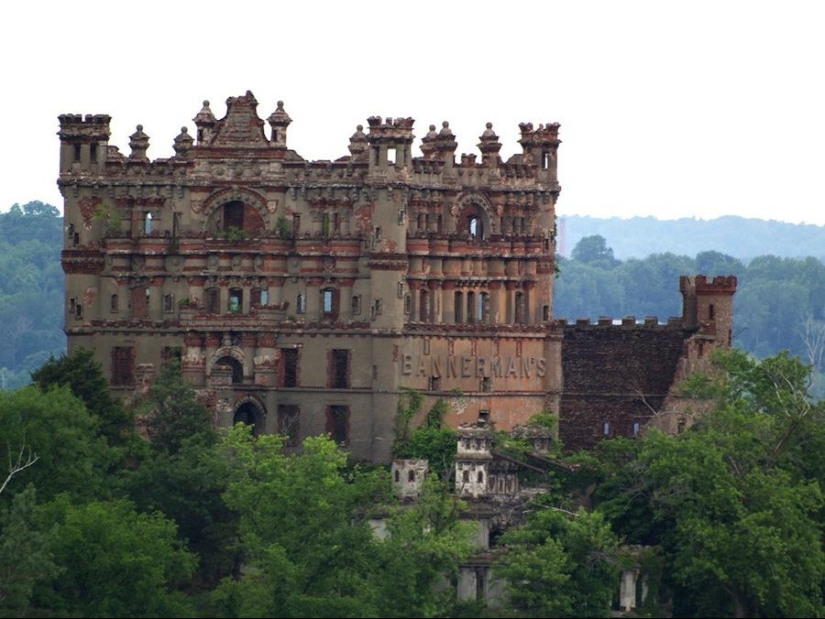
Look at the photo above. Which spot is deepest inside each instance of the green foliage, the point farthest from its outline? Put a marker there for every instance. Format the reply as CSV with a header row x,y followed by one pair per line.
x,y
84,376
593,250
409,403
304,554
283,228
175,415
735,502
431,441
107,213
309,550
115,562
234,233
25,558
561,564
437,445
31,323
426,543
55,426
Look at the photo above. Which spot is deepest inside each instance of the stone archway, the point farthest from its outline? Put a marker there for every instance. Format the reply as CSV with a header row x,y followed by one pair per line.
x,y
236,213
251,412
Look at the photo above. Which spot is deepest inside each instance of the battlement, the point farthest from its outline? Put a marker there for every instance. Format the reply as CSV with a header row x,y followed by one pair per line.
x,y
701,284
545,134
242,128
625,323
75,126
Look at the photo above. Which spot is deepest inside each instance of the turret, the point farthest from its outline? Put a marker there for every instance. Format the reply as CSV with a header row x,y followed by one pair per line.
x,y
390,142
279,120
541,148
708,304
83,142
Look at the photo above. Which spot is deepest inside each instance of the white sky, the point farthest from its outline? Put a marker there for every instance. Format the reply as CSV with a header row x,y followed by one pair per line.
x,y
691,109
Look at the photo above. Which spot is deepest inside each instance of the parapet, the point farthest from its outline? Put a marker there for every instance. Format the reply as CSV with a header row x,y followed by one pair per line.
x,y
701,284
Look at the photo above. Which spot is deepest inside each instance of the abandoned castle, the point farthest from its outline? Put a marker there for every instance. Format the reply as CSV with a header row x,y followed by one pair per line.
x,y
304,296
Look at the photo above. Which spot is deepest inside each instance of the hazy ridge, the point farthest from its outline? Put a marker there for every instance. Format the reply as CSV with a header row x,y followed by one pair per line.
x,y
740,237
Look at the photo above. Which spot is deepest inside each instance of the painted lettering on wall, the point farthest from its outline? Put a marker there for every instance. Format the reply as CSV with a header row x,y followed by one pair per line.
x,y
462,366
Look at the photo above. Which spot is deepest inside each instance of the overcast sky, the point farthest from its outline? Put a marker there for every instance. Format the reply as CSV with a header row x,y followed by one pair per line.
x,y
690,109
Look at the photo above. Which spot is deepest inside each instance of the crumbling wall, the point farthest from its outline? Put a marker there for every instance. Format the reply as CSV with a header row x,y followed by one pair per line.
x,y
616,377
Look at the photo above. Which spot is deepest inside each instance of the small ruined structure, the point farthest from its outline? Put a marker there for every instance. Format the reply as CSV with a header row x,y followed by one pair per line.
x,y
408,477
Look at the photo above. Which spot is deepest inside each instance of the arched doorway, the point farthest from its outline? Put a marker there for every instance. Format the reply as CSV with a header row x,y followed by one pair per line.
x,y
250,413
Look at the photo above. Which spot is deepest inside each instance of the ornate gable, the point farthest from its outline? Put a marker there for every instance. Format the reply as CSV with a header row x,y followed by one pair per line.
x,y
241,126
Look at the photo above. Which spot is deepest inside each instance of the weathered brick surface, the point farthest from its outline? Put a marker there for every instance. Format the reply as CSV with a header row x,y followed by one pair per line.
x,y
617,375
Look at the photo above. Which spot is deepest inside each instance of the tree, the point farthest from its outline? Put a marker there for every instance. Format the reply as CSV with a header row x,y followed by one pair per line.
x,y
84,376
175,415
736,498
593,250
305,555
184,473
25,559
55,426
115,562
425,544
561,564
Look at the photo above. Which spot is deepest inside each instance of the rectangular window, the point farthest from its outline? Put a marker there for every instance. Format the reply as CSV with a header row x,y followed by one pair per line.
x,y
356,304
114,303
77,152
338,373
235,300
288,415
213,296
123,366
255,296
338,424
93,152
329,298
168,303
301,303
140,303
289,367
296,225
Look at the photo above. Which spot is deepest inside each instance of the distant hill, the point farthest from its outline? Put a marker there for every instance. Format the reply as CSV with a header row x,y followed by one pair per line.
x,y
739,237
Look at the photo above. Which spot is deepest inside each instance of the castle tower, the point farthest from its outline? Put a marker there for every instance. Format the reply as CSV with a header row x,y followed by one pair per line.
x,y
83,142
707,304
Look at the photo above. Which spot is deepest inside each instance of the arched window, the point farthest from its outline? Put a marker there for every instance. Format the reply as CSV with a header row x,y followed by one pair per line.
x,y
411,475
234,365
147,223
